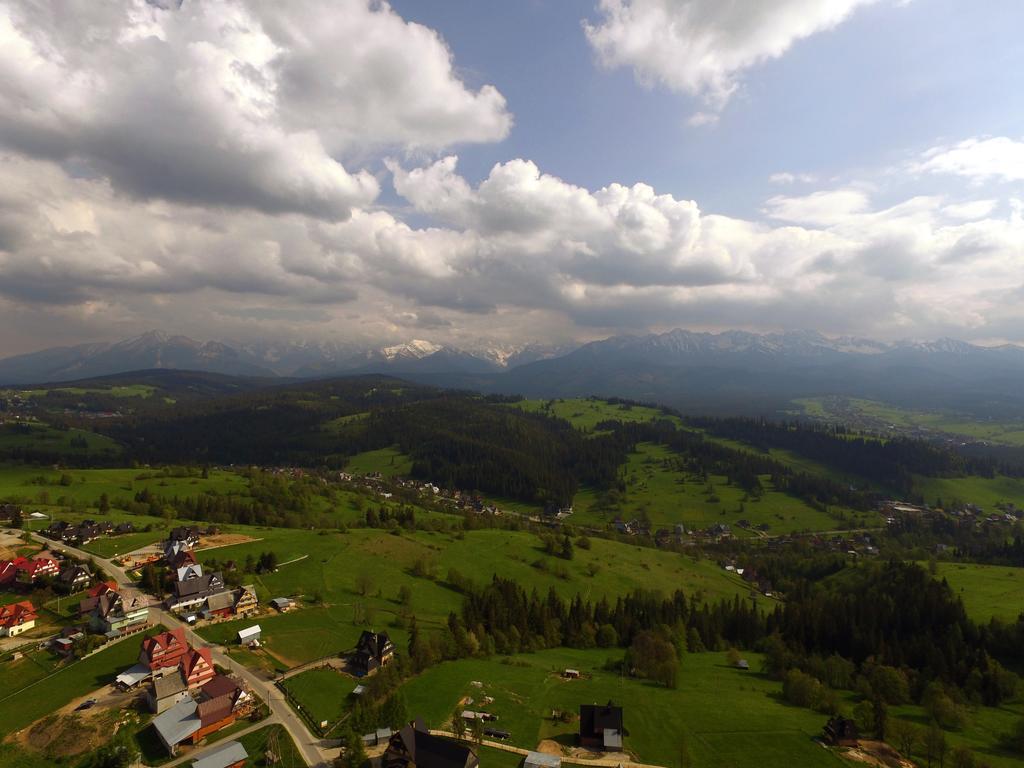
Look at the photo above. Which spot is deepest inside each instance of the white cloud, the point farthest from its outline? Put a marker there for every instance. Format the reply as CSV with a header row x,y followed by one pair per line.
x,y
230,103
823,207
980,160
701,47
785,178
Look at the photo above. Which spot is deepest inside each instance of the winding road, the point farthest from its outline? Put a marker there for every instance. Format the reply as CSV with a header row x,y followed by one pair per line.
x,y
312,748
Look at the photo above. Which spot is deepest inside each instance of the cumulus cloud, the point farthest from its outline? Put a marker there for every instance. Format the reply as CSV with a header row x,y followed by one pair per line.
x,y
999,158
701,47
231,103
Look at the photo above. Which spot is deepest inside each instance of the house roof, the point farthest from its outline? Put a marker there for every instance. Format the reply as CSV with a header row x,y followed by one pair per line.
x,y
104,586
191,660
214,710
178,723
374,643
220,685
245,634
220,601
169,685
133,675
428,751
595,719
17,613
279,602
164,642
223,756
208,582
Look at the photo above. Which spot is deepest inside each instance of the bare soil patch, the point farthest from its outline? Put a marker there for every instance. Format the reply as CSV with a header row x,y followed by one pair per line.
x,y
876,753
224,540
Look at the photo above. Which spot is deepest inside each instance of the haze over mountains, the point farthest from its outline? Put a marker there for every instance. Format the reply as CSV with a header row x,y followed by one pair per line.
x,y
700,371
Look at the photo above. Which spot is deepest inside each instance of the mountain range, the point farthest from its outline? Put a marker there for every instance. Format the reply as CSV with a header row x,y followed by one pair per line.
x,y
732,370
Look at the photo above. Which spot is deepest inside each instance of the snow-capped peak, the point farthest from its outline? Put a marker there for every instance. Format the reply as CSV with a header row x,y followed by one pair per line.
x,y
417,348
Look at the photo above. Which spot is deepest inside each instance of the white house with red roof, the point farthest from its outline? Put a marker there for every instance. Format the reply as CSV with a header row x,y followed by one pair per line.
x,y
17,618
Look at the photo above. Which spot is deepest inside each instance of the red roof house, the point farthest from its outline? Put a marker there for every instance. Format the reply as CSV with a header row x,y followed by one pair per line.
x,y
197,666
164,650
30,570
17,618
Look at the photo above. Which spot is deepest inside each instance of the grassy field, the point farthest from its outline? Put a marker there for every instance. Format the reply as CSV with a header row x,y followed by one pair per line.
x,y
273,738
333,562
25,697
885,417
388,461
981,491
987,590
85,486
728,717
36,436
586,413
321,693
658,490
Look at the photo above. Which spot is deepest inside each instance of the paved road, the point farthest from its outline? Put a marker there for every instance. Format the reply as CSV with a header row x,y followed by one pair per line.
x,y
310,746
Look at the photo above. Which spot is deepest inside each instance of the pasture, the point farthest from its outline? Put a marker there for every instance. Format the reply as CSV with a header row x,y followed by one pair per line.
x,y
389,462
658,490
27,695
586,413
321,693
357,575
983,492
987,590
726,716
36,436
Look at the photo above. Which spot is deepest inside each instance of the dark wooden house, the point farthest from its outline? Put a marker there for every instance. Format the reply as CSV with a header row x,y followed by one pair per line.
x,y
413,745
374,650
601,727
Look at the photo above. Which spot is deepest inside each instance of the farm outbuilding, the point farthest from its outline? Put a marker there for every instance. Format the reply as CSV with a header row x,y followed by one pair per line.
x,y
249,635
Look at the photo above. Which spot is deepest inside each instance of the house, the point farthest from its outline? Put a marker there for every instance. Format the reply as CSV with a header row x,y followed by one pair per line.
x,y
213,714
222,685
373,650
282,604
17,618
115,612
197,666
601,727
177,724
840,732
219,606
8,572
166,691
188,572
249,635
184,534
164,650
413,745
75,577
88,604
179,559
31,570
541,760
230,755
571,674
246,602
194,592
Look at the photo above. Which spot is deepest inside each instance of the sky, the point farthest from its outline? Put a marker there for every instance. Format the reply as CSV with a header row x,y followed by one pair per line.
x,y
484,172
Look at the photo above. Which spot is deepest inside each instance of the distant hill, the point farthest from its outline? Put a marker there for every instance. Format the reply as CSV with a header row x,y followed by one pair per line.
x,y
729,372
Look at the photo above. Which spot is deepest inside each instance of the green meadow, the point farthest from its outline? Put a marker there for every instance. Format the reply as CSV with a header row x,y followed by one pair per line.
x,y
275,739
321,693
982,491
36,436
586,413
390,462
357,575
656,489
871,414
27,695
987,590
725,716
